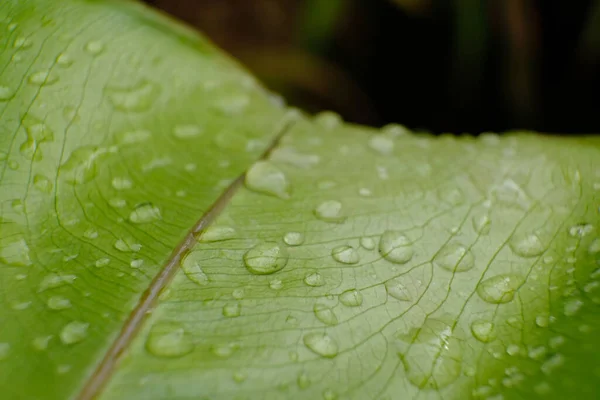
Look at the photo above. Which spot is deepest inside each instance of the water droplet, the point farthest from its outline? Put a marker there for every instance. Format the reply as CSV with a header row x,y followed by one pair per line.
x,y
102,262
365,192
239,376
321,344
233,105
94,47
266,258
52,281
537,353
499,289
41,343
22,42
395,247
329,394
264,177
81,165
276,284
42,184
314,279
328,119
434,358
513,349
572,306
288,155
169,339
455,257
325,314
90,234
351,298
542,321
137,263
74,332
127,246
15,251
117,202
42,78
145,213
581,230
345,255
18,306
382,144
594,246
64,60
526,245
224,350
303,380
137,98
58,303
483,331
397,289
330,211
552,364
217,234
293,238
6,93
482,224
121,183
542,388
187,131
133,137
367,243
232,310
4,350
194,271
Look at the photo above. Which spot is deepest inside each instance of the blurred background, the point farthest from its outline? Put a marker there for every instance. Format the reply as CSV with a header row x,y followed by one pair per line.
x,y
435,65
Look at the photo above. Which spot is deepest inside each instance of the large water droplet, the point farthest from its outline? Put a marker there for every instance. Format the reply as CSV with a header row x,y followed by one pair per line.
x,y
330,211
288,155
52,281
14,251
325,314
433,358
187,131
500,288
169,339
37,133
74,332
382,144
398,289
266,258
136,98
314,279
217,234
58,303
395,247
455,257
321,344
351,298
41,343
264,177
293,238
145,213
345,255
483,331
526,245
42,78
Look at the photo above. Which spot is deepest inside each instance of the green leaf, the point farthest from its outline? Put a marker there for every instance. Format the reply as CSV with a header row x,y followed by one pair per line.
x,y
352,263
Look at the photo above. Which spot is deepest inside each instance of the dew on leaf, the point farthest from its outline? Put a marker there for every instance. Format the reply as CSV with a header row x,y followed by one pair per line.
x,y
42,78
553,363
395,247
329,394
351,298
500,288
80,167
345,254
136,98
572,306
266,258
194,271
382,144
137,263
483,331
15,251
328,119
542,321
133,136
22,42
217,234
367,243
526,245
121,183
40,343
117,202
330,211
276,284
52,281
303,380
224,350
581,230
314,279
4,350
264,177
365,192
398,289
74,332
145,213
6,93
187,131
58,303
293,238
94,47
288,155
594,247
90,234
537,352
169,339
101,262
232,310
325,314
127,246
455,257
42,183
513,349
321,344
482,224
64,60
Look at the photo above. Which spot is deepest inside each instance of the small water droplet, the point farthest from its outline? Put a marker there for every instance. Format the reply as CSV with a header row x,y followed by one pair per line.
x,y
15,251
314,279
552,364
328,119
594,246
542,388
137,263
233,105
145,213
330,211
482,224
329,394
526,245
264,177
382,144
276,284
53,281
395,247
513,350
483,331
232,310
42,184
397,289
345,255
293,238
217,234
117,202
94,47
224,350
22,43
537,352
187,131
556,342
169,339
542,321
4,350
288,155
136,98
367,243
121,183
193,270
64,60
74,332
42,78
364,192
351,298
6,93
41,343
58,303
90,234
80,167
581,230
499,289
303,380
321,344
572,306
102,262
325,314
455,257
127,246
266,258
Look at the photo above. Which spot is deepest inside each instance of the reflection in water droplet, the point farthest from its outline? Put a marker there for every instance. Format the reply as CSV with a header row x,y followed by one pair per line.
x,y
145,213
395,247
133,99
264,177
266,258
74,332
500,288
351,298
455,257
526,245
325,314
321,344
314,279
293,238
345,255
169,339
483,331
330,211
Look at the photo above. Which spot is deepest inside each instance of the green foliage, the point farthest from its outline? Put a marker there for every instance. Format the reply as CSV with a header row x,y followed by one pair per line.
x,y
352,263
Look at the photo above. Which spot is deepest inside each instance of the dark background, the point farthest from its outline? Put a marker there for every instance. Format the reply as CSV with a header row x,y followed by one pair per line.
x,y
436,65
